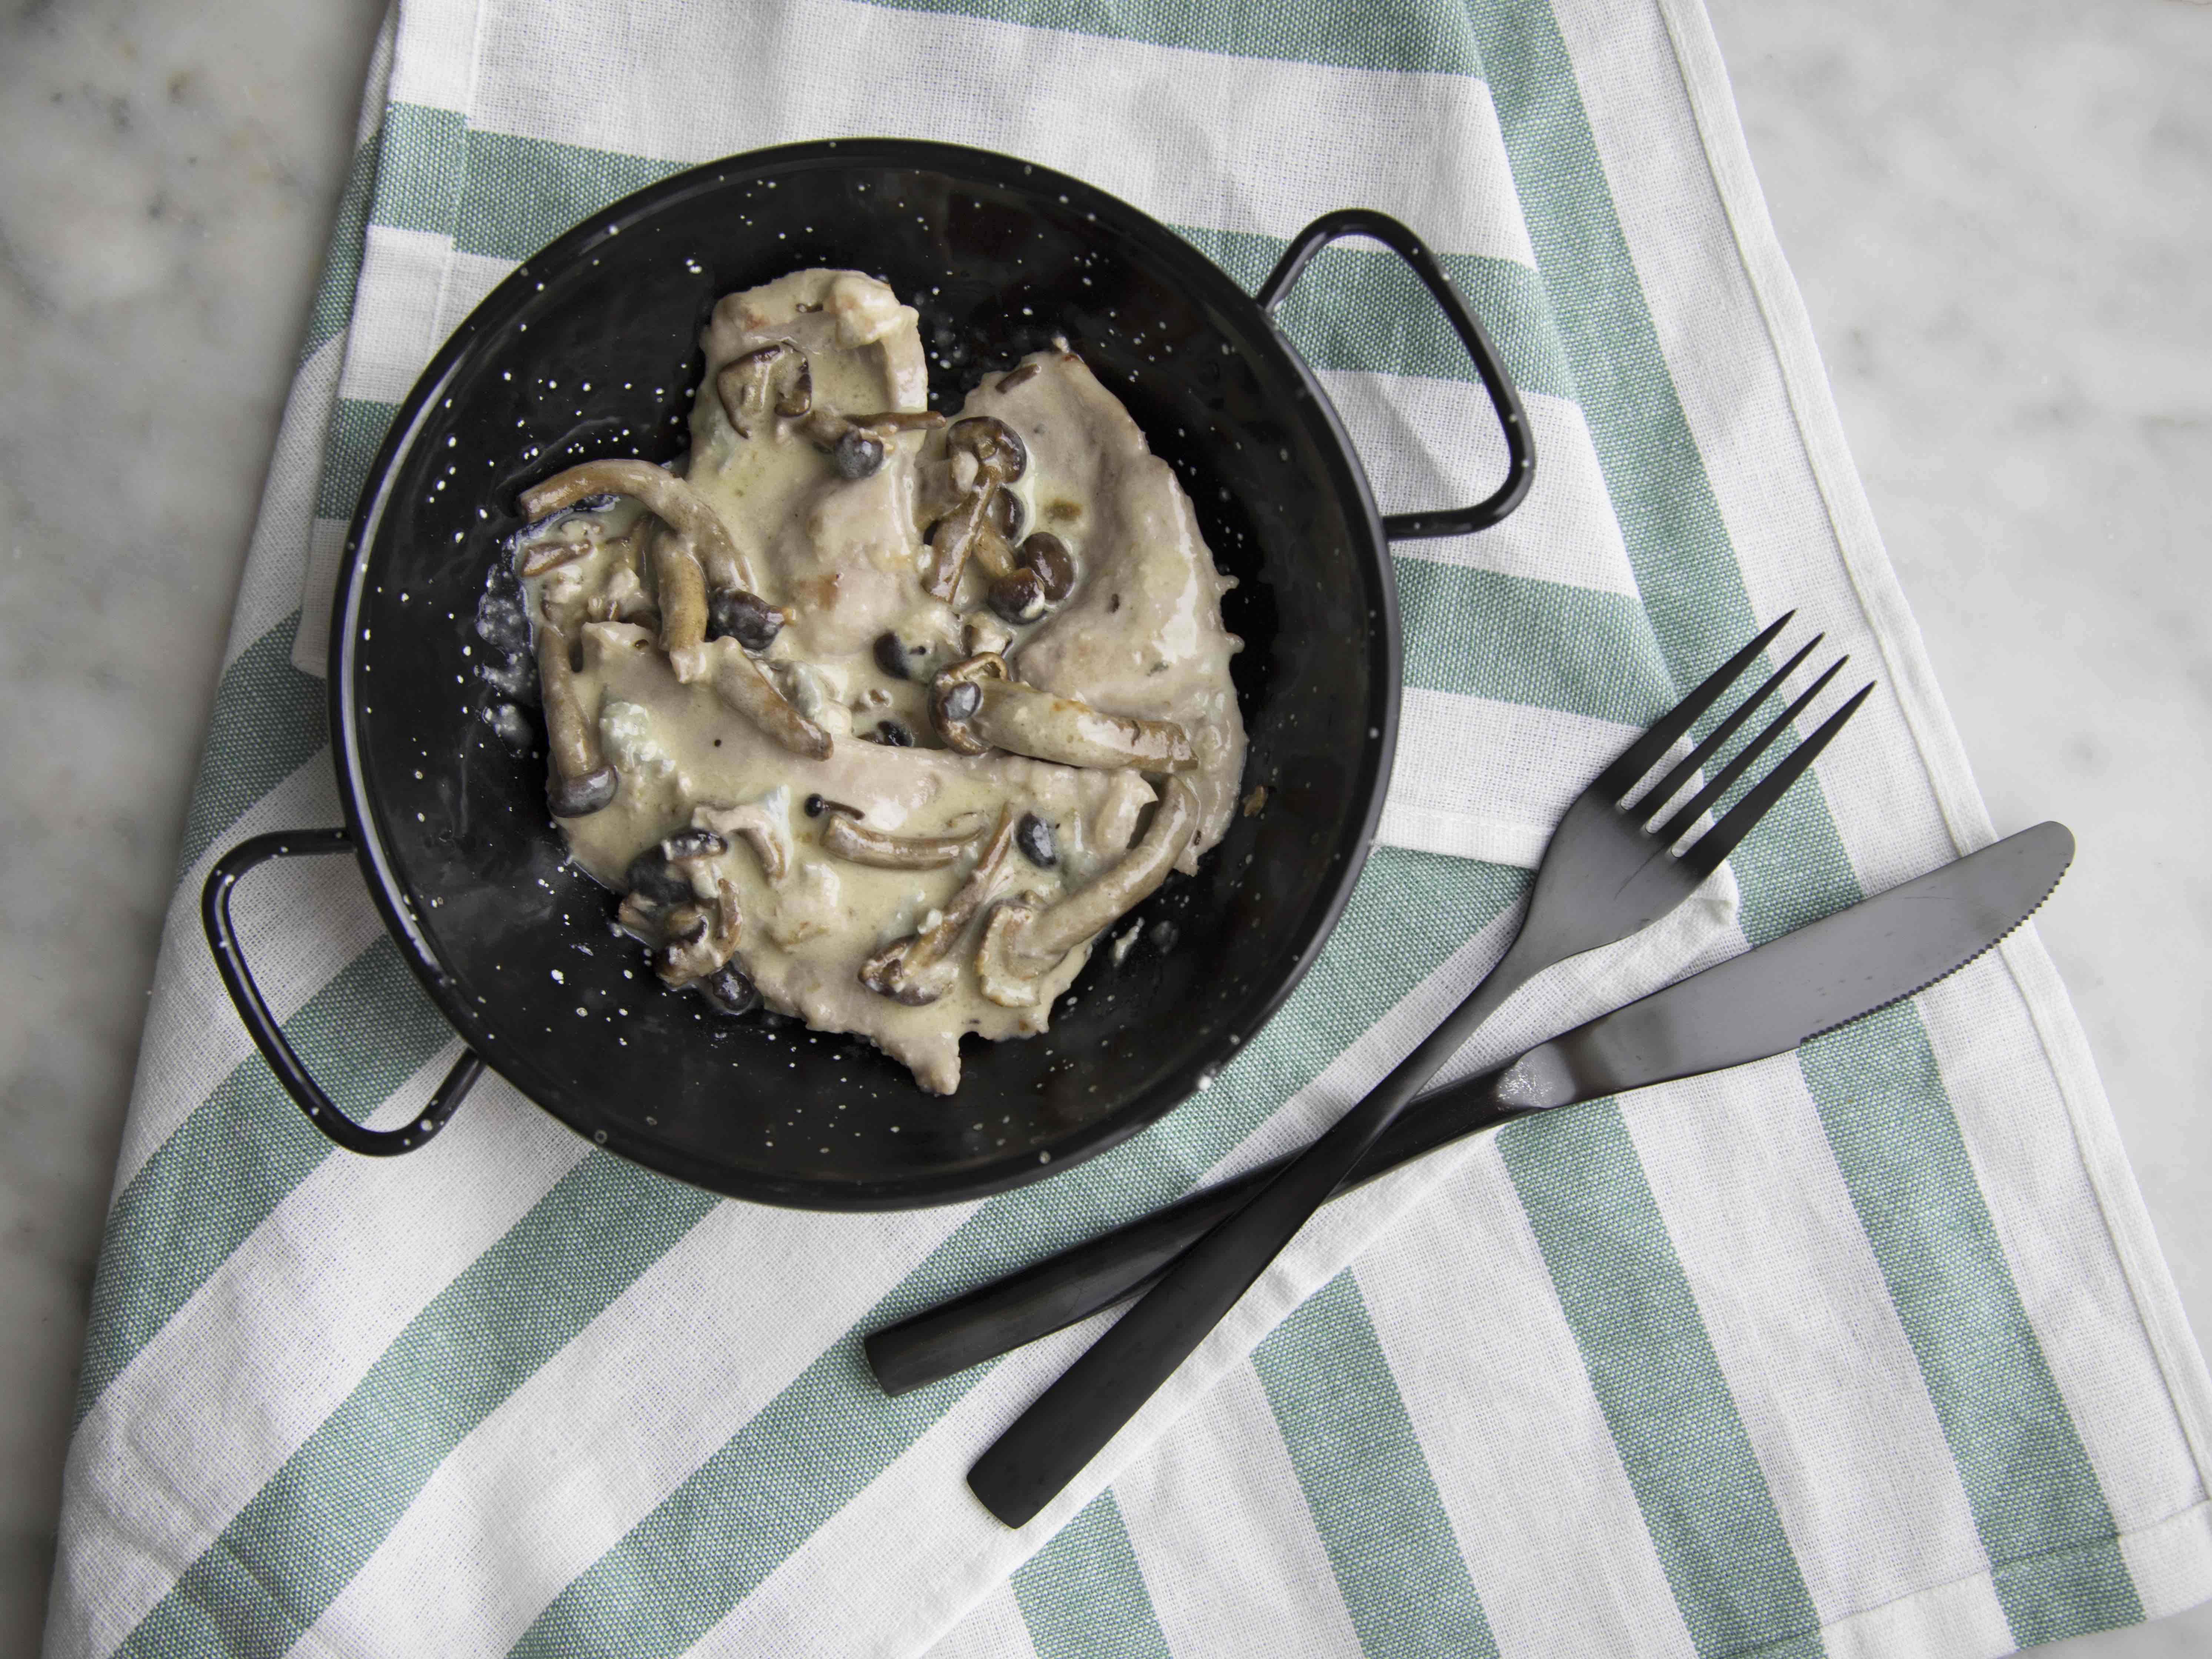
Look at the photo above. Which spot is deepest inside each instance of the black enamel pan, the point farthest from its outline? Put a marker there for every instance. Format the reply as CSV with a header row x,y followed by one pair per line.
x,y
591,350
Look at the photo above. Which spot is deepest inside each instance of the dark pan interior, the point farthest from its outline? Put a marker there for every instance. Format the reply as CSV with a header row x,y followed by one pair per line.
x,y
591,350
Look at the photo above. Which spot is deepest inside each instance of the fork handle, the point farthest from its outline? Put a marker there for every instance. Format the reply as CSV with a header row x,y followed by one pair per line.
x,y
1062,1289
1070,1423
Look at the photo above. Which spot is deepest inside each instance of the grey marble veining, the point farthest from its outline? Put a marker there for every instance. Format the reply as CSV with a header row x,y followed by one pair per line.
x,y
167,175
2000,212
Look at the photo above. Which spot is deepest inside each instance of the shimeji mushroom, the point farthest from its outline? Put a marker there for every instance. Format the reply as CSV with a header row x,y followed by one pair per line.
x,y
743,684
580,782
844,835
765,823
978,705
1025,939
690,939
680,582
982,635
857,444
921,968
1000,457
775,376
680,561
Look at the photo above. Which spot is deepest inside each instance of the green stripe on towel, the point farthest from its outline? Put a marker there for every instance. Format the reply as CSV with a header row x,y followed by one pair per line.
x,y
357,430
1793,867
305,1534
1366,1480
419,176
757,1500
2036,1505
227,1165
1083,1594
1404,35
333,307
1659,1382
270,721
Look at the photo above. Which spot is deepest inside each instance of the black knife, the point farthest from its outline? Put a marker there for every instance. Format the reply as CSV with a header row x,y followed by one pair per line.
x,y
1764,1002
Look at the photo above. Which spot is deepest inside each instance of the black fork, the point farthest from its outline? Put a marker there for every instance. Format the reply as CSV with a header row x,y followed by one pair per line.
x,y
1604,876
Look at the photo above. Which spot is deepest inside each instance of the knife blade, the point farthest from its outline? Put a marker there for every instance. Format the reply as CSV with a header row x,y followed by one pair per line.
x,y
1764,1002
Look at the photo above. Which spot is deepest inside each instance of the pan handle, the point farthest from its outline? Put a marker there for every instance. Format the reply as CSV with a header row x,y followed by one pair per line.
x,y
1520,444
230,962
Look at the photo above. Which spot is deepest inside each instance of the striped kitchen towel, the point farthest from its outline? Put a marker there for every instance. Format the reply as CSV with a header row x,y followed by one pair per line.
x,y
1865,1350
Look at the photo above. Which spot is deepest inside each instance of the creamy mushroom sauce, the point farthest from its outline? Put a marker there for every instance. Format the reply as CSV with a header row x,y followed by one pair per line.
x,y
845,560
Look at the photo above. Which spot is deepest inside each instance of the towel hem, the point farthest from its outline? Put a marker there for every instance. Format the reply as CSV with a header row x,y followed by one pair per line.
x,y
1928,718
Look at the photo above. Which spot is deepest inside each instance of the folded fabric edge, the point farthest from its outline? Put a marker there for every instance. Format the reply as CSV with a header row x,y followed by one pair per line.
x,y
2169,1560
1927,717
1461,834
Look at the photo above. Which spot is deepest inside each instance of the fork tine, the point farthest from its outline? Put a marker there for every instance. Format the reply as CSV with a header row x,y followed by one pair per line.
x,y
1664,791
1640,757
1676,827
1720,840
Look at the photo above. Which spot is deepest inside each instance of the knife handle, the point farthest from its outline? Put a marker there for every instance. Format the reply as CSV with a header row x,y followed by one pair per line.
x,y
997,1318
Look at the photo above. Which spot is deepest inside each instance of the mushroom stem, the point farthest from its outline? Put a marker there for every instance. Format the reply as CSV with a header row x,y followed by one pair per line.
x,y
581,781
1045,726
849,839
976,704
667,498
747,385
744,684
1022,943
764,822
690,948
825,426
954,540
681,587
1001,457
919,969
551,554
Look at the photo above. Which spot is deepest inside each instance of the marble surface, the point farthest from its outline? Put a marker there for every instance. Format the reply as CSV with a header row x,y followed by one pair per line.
x,y
2001,214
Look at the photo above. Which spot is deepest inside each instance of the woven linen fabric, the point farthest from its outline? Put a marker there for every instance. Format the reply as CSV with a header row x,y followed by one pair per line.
x,y
1867,1349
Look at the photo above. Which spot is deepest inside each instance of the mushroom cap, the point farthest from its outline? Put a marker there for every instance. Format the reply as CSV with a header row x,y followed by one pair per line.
x,y
1045,554
729,990
579,798
858,454
892,973
951,707
763,370
746,617
998,448
1018,599
651,878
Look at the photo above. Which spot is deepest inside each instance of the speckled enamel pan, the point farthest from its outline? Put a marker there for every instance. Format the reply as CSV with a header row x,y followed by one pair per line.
x,y
590,348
